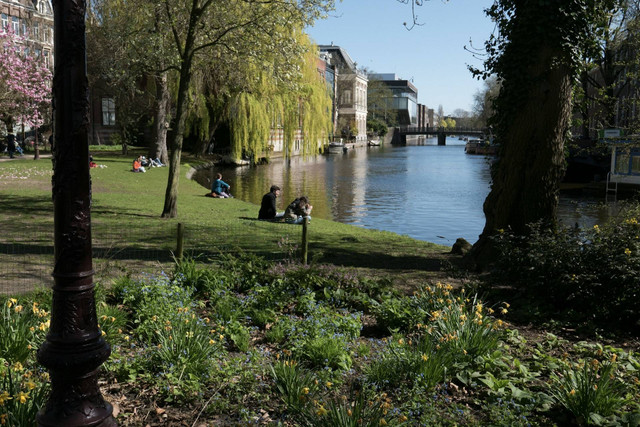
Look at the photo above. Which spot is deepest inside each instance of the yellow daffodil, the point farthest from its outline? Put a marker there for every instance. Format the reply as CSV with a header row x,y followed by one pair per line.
x,y
212,342
18,308
22,397
4,396
305,390
30,385
329,384
572,392
627,252
425,357
17,367
103,333
596,228
321,411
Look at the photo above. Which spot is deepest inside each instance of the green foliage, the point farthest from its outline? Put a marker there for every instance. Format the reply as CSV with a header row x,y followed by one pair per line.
x,y
205,281
185,346
23,392
112,321
422,363
306,105
592,272
21,329
321,336
589,391
362,408
295,385
377,127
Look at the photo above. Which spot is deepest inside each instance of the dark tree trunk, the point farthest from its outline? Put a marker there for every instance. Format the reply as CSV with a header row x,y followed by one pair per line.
x,y
36,155
526,178
177,135
159,147
170,209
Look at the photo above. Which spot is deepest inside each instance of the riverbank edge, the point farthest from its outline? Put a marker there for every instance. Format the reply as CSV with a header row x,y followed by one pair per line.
x,y
130,203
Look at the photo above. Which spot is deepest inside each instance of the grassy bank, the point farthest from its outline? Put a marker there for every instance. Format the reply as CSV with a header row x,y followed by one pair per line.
x,y
126,214
244,340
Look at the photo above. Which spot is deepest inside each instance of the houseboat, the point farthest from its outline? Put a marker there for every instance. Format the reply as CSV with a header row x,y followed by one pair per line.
x,y
625,164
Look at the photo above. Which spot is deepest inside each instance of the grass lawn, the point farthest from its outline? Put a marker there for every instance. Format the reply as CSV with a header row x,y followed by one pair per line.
x,y
129,235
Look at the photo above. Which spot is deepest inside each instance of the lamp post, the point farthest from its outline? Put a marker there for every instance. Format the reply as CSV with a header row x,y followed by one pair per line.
x,y
74,348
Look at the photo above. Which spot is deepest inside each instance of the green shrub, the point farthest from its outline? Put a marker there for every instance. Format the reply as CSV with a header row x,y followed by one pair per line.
x,y
590,273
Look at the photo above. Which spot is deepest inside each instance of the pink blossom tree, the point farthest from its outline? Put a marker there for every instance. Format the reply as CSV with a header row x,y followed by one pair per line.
x,y
25,85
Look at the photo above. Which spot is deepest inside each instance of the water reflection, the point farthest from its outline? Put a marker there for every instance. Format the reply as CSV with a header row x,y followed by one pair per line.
x,y
431,192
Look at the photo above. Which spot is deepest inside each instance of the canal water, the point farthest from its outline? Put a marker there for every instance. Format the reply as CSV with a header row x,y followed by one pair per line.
x,y
429,192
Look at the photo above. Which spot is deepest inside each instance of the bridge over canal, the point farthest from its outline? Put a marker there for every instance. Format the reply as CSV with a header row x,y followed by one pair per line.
x,y
400,133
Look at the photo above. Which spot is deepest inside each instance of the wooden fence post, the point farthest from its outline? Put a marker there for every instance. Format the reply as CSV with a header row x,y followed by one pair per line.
x,y
180,243
305,240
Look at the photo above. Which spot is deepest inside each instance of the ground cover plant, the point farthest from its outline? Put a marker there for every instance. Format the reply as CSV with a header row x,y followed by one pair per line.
x,y
246,340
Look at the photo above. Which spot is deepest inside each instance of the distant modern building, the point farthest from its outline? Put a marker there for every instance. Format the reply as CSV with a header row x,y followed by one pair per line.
x,y
405,98
351,93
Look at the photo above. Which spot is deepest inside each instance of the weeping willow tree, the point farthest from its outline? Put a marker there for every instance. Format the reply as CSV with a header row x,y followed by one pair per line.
x,y
302,103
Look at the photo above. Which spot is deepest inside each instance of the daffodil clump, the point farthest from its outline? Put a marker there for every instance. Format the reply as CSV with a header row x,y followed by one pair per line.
x,y
589,389
23,327
23,384
23,391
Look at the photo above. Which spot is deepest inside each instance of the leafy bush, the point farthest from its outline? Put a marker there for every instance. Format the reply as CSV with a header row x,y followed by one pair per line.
x,y
593,272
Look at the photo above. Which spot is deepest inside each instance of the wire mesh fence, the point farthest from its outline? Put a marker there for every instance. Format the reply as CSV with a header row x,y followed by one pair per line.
x,y
27,256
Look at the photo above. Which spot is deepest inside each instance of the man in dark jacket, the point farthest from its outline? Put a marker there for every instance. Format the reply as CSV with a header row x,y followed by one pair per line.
x,y
268,206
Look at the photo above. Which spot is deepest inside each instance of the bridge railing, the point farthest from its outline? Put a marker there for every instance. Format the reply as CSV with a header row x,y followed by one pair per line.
x,y
440,129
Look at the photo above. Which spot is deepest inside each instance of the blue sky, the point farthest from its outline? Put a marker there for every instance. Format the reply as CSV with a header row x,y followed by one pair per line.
x,y
433,54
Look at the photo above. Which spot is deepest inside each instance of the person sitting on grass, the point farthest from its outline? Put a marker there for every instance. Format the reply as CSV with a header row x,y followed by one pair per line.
x,y
219,188
137,165
268,205
298,210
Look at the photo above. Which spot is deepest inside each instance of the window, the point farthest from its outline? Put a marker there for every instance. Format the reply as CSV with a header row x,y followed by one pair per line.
x,y
46,58
635,164
24,28
4,20
15,23
108,112
622,162
36,30
38,53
